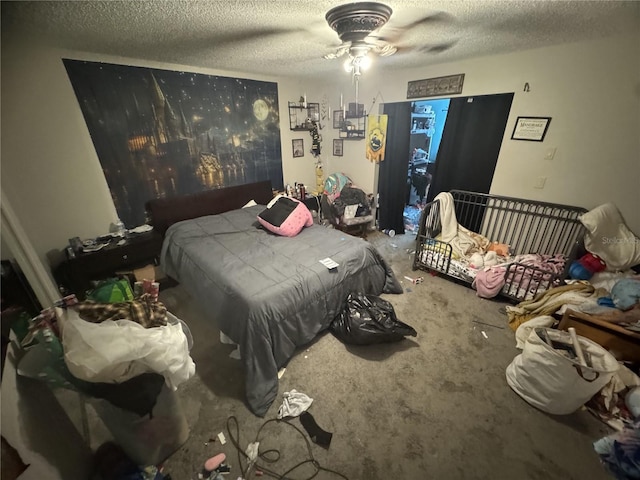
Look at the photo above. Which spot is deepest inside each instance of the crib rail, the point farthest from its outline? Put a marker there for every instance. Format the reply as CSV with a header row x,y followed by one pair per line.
x,y
527,226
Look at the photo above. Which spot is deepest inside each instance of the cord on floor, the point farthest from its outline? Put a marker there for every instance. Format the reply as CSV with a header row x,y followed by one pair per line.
x,y
271,456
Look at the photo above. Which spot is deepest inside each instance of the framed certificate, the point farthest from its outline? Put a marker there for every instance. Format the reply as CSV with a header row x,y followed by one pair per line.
x,y
532,129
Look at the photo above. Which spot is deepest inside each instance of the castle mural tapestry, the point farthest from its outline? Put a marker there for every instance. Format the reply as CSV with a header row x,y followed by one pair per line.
x,y
161,133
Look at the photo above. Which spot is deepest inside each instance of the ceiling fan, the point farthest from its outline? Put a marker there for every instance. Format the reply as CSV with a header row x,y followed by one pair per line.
x,y
357,26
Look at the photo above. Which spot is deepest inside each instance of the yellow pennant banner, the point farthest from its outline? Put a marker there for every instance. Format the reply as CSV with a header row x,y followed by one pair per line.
x,y
376,137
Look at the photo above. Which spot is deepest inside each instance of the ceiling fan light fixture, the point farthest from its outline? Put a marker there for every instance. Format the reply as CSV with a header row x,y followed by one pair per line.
x,y
364,61
357,64
353,22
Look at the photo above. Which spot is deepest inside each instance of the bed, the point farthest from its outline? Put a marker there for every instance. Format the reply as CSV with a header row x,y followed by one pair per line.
x,y
543,239
269,294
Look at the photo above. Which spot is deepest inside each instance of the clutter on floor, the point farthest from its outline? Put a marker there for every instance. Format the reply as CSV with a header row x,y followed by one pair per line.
x,y
592,356
126,355
294,403
620,452
591,364
369,319
111,462
411,218
498,245
558,372
624,343
610,239
251,461
317,434
616,403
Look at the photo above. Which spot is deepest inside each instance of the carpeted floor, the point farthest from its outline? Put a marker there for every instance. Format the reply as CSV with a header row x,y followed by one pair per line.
x,y
432,407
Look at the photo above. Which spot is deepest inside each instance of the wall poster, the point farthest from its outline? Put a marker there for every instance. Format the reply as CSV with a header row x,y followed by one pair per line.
x,y
161,133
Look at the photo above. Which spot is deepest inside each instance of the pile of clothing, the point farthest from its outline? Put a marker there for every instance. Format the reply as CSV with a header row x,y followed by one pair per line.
x,y
123,352
488,265
341,199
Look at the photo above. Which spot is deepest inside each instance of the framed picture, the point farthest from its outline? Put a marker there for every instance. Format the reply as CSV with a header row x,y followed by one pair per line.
x,y
338,118
298,147
532,129
432,87
337,147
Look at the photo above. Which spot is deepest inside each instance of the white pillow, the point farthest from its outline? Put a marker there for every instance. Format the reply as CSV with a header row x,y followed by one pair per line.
x,y
609,237
250,203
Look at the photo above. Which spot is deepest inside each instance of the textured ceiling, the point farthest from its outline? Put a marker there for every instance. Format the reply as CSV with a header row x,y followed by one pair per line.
x,y
287,37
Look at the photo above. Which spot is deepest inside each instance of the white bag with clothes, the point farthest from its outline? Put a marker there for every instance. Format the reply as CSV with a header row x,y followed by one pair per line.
x,y
524,330
548,380
115,351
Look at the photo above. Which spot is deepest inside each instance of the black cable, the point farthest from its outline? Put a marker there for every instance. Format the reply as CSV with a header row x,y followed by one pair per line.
x,y
265,456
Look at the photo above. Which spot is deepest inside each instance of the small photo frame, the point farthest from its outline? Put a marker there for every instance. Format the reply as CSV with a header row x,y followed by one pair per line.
x,y
338,118
532,129
297,145
337,147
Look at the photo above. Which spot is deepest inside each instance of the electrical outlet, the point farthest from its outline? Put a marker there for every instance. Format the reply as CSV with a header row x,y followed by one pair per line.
x,y
539,183
550,153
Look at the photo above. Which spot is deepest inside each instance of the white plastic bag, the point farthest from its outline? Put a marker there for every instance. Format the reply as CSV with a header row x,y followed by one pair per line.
x,y
147,439
115,351
554,383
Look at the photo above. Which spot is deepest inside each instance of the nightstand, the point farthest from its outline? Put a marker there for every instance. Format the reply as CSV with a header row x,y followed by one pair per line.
x,y
77,273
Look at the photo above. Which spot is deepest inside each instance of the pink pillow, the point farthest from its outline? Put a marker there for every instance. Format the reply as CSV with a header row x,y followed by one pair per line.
x,y
286,217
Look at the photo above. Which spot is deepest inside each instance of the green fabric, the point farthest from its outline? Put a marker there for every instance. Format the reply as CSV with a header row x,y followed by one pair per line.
x,y
112,290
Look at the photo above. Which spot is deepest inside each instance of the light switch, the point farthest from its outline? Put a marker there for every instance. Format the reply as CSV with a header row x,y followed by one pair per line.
x,y
539,183
550,153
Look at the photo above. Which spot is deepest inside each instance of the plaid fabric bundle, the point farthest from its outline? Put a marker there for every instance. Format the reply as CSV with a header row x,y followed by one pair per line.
x,y
144,310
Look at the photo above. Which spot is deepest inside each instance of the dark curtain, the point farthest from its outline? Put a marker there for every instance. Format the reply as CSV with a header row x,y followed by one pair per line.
x,y
471,143
392,179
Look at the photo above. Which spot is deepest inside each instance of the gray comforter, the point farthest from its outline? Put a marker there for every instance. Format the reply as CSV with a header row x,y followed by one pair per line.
x,y
270,294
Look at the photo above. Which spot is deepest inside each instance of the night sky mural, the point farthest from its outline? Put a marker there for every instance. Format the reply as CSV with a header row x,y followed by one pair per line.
x,y
161,133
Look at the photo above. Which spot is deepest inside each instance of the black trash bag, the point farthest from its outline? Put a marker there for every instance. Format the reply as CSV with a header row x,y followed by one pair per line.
x,y
368,319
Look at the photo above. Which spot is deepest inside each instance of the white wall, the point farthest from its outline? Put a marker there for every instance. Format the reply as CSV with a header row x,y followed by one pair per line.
x,y
592,92
52,176
50,170
326,91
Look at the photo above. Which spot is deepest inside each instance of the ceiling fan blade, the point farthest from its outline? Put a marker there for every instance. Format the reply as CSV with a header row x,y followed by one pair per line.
x,y
394,34
252,35
438,17
437,48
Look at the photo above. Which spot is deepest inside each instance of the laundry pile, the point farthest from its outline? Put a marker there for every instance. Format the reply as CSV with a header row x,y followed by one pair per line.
x,y
108,350
603,285
125,354
602,303
345,203
489,266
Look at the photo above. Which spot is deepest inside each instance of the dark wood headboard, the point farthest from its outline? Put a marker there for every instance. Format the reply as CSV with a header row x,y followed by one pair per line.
x,y
164,212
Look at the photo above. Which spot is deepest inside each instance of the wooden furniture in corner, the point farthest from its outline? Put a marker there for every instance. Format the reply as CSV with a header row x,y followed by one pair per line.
x,y
622,342
77,273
